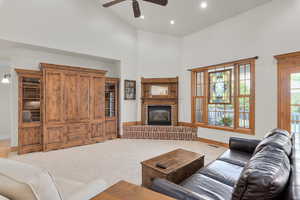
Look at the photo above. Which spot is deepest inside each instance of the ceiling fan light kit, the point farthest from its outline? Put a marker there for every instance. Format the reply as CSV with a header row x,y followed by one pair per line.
x,y
136,6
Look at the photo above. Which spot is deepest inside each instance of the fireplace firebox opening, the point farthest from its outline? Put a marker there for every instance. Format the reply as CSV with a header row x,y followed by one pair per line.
x,y
159,115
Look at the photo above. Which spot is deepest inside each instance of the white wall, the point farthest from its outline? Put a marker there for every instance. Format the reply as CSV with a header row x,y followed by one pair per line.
x,y
265,31
159,55
74,26
78,26
5,104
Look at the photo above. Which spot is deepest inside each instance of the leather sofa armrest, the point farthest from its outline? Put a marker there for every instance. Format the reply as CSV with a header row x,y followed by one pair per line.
x,y
176,191
242,144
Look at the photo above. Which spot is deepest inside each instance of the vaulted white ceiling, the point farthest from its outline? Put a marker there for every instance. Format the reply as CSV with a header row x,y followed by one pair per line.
x,y
188,15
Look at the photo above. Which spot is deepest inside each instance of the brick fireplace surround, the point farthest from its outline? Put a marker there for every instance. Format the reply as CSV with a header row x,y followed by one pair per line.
x,y
145,131
160,132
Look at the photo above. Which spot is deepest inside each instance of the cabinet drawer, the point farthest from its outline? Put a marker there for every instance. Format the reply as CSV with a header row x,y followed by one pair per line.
x,y
76,129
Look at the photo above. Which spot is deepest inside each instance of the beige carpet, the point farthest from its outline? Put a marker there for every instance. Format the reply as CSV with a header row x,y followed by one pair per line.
x,y
112,160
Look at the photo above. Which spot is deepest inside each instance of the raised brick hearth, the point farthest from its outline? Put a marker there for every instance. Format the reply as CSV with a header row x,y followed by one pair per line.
x,y
160,132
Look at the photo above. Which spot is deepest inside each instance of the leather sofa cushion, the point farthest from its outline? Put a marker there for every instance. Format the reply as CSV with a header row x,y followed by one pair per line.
x,y
278,140
208,187
278,131
235,157
264,177
242,144
222,171
293,189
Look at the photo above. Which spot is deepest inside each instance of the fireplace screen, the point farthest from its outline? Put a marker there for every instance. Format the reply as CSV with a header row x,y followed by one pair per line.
x,y
159,115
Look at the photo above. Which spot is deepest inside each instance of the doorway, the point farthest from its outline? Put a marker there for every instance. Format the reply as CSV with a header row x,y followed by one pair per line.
x,y
289,92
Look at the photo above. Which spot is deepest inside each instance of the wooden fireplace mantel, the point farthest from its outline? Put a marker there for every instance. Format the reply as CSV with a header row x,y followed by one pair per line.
x,y
170,99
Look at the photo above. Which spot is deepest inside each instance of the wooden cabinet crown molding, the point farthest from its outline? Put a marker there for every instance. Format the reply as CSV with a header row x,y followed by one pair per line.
x,y
68,68
159,80
28,72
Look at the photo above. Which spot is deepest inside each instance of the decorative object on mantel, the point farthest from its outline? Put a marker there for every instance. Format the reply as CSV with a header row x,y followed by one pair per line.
x,y
220,87
6,78
130,90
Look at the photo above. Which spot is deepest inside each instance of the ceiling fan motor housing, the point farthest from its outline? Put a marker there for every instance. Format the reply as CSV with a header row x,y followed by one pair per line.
x,y
136,8
135,5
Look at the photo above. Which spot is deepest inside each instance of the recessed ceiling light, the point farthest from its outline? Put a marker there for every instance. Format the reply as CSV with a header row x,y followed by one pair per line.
x,y
203,4
142,17
172,22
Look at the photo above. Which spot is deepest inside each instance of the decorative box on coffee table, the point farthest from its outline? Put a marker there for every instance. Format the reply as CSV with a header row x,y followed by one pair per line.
x,y
174,166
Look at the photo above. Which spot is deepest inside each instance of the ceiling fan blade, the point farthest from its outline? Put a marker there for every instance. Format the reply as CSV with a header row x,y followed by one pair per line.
x,y
136,8
112,3
159,2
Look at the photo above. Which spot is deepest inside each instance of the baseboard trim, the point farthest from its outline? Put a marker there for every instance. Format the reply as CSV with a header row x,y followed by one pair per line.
x,y
14,149
132,123
188,124
4,148
213,142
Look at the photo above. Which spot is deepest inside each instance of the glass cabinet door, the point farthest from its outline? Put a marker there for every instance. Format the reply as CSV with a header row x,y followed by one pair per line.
x,y
31,99
110,100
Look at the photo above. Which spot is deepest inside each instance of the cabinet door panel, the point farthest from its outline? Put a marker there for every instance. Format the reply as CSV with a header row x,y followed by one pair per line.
x,y
54,137
111,129
70,100
31,136
55,134
30,139
84,97
98,102
54,97
98,131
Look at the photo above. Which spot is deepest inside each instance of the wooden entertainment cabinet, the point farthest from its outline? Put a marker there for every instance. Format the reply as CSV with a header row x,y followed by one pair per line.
x,y
63,106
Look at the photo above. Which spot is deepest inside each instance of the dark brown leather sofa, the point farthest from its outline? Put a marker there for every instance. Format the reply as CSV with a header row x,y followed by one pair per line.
x,y
249,170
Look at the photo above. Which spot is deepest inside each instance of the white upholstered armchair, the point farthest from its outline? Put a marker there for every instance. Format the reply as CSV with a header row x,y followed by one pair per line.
x,y
20,181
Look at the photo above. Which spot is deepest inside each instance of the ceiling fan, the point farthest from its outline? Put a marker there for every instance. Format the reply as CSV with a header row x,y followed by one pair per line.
x,y
135,5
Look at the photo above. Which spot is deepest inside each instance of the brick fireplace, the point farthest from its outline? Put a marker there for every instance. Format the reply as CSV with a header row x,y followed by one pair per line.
x,y
159,101
159,113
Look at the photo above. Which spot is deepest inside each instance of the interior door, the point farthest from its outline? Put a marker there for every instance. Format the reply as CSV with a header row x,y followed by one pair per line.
x,y
289,92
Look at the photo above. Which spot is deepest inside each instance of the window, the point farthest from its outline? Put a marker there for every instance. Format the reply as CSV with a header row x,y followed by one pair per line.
x,y
223,96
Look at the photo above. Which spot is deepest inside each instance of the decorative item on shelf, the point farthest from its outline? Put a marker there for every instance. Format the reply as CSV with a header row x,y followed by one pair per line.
x,y
130,90
159,90
6,78
220,87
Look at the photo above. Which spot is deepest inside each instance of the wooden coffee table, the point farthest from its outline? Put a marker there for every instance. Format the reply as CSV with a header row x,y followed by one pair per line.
x,y
127,191
180,164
